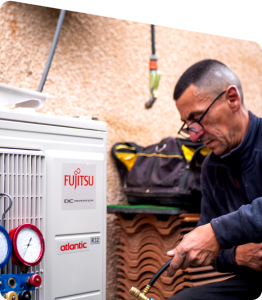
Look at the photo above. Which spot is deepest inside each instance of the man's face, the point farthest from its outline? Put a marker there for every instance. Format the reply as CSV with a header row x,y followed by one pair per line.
x,y
219,133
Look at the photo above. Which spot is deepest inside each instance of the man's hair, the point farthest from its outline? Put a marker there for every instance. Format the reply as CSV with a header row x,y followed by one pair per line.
x,y
210,75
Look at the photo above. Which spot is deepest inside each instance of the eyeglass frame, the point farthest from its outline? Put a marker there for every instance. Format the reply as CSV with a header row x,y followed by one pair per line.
x,y
199,119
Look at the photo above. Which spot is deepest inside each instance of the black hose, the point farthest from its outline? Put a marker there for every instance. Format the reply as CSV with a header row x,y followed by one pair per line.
x,y
159,272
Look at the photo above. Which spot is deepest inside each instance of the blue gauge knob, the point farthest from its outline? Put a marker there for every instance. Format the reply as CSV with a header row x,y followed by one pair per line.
x,y
5,247
24,295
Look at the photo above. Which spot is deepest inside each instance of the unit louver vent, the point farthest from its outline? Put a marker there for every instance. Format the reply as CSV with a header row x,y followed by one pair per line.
x,y
22,176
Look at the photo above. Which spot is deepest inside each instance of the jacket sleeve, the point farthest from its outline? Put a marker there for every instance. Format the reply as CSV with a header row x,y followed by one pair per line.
x,y
225,262
240,227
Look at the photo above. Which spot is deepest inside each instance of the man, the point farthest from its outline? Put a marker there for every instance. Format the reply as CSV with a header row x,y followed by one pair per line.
x,y
209,99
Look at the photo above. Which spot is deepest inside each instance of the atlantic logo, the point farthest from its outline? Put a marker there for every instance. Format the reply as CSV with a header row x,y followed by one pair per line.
x,y
68,246
78,180
74,245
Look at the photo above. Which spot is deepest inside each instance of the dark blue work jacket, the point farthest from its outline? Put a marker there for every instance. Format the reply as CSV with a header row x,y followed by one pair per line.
x,y
232,195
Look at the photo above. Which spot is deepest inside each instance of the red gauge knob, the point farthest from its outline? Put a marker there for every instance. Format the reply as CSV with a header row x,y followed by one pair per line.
x,y
35,280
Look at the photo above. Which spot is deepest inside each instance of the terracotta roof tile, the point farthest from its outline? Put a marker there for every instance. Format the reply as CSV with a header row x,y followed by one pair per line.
x,y
142,245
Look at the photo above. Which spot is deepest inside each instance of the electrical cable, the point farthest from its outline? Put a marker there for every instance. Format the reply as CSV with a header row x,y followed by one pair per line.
x,y
153,39
52,50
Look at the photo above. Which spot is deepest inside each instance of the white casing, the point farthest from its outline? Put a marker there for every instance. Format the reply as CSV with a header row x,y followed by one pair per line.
x,y
21,97
39,145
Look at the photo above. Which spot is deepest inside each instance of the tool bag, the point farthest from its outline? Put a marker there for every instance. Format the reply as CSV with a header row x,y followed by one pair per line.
x,y
166,174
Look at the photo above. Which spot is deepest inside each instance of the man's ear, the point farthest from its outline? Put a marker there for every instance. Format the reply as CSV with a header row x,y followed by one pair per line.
x,y
233,98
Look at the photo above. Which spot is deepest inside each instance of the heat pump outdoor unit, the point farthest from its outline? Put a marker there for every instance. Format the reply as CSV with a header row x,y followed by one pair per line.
x,y
54,168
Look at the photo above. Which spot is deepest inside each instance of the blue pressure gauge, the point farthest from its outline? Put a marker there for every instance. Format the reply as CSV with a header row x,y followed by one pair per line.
x,y
5,247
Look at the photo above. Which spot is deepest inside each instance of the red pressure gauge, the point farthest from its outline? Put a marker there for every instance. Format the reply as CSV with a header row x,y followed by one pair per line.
x,y
28,245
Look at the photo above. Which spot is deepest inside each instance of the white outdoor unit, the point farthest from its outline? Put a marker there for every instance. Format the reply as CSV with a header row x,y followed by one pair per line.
x,y
54,168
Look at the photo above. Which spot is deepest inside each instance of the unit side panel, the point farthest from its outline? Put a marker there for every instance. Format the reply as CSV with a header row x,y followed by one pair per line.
x,y
68,227
80,271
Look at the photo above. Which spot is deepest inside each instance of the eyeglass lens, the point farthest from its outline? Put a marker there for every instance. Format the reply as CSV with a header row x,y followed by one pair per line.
x,y
195,127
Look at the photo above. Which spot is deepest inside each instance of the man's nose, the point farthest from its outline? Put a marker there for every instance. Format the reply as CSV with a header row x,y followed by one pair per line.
x,y
194,137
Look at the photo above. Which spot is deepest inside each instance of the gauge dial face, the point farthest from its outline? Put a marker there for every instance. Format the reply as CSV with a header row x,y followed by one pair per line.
x,y
5,247
28,244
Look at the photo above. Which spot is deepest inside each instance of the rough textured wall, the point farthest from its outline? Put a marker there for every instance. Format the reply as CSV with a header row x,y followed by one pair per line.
x,y
100,68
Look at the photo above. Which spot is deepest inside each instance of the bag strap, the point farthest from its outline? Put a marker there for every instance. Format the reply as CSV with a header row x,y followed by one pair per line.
x,y
124,155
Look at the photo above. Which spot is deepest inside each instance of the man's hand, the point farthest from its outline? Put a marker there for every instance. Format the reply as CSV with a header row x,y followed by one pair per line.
x,y
199,247
249,255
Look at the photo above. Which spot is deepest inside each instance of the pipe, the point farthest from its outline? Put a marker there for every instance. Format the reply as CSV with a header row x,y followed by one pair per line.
x,y
52,50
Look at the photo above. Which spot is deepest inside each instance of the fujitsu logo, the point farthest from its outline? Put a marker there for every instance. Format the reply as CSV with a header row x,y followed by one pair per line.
x,y
78,180
69,246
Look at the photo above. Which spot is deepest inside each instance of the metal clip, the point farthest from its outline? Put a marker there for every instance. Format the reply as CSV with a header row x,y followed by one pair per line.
x,y
11,203
160,148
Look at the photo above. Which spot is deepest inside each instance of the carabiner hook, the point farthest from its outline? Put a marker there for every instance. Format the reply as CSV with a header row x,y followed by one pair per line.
x,y
11,203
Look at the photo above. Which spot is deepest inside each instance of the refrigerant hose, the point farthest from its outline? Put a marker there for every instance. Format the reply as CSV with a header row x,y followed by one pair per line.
x,y
142,296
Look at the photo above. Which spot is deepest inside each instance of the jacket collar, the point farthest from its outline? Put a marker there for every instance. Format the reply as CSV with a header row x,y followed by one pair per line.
x,y
244,153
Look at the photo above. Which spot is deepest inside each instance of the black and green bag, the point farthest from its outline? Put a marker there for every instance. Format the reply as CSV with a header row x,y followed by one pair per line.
x,y
167,173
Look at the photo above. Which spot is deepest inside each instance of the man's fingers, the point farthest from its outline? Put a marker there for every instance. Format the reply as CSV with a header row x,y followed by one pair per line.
x,y
179,257
189,260
171,252
199,247
195,258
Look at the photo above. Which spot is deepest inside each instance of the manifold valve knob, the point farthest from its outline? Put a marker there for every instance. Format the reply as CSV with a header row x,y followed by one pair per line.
x,y
35,280
24,295
11,296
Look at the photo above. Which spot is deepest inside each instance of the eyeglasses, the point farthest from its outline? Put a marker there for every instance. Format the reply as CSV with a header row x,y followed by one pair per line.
x,y
196,126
